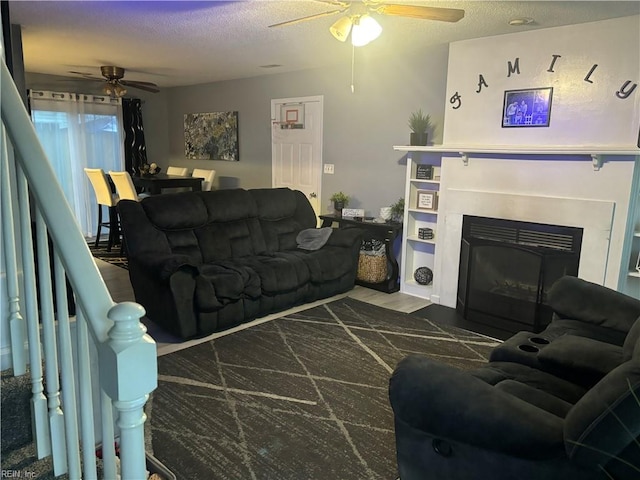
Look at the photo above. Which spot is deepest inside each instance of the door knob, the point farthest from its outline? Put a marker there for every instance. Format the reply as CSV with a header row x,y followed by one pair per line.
x,y
313,195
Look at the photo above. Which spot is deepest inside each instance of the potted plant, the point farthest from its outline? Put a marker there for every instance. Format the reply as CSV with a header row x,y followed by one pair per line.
x,y
340,200
419,123
397,210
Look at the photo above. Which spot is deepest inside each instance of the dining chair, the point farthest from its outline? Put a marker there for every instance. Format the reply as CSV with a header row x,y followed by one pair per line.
x,y
125,187
179,171
208,175
105,198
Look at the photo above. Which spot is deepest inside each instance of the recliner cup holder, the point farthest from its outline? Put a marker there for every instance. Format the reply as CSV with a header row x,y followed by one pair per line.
x,y
539,340
529,348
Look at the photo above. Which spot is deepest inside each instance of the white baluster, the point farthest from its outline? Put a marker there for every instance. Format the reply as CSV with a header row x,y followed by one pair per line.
x,y
129,372
16,322
56,419
87,430
108,437
67,376
38,400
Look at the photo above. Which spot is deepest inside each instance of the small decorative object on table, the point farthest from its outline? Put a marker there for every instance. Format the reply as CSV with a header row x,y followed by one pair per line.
x,y
385,213
425,233
423,275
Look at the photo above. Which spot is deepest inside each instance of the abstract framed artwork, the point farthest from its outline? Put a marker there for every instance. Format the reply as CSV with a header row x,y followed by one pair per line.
x,y
527,108
211,136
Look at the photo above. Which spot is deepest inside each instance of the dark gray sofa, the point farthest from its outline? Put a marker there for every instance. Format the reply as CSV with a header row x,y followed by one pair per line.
x,y
200,262
560,404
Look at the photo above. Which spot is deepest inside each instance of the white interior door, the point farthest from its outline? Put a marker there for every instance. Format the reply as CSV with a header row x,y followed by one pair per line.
x,y
296,145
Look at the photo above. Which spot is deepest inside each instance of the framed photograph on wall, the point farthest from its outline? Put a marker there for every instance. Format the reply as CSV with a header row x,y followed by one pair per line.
x,y
527,108
427,199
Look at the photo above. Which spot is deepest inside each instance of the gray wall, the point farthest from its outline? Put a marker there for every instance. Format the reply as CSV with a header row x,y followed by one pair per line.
x,y
359,128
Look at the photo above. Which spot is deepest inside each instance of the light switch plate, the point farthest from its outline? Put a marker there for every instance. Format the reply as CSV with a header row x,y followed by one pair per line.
x,y
328,168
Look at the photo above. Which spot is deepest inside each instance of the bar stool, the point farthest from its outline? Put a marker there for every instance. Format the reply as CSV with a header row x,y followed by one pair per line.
x,y
125,187
178,171
208,175
105,197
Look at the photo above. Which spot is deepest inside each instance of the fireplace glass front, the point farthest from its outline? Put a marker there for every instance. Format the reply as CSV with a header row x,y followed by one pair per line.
x,y
507,268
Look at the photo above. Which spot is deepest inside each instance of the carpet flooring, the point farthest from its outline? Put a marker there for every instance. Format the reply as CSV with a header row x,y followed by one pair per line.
x,y
300,397
115,257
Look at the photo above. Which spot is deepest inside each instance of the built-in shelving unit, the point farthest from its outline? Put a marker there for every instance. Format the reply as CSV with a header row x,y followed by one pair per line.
x,y
417,252
630,276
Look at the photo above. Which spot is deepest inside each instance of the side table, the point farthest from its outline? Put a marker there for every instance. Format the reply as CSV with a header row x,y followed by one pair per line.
x,y
387,232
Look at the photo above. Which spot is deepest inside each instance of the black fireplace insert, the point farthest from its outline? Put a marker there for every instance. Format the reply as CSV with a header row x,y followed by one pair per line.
x,y
507,267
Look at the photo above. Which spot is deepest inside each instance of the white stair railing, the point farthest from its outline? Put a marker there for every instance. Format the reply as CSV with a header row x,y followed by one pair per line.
x,y
98,365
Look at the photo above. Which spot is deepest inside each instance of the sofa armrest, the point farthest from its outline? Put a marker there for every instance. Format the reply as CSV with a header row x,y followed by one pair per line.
x,y
164,265
572,297
345,237
450,403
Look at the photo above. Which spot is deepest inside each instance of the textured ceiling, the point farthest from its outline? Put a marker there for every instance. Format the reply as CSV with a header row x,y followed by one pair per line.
x,y
174,43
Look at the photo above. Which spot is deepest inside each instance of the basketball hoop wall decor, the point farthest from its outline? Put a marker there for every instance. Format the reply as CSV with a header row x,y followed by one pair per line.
x,y
292,116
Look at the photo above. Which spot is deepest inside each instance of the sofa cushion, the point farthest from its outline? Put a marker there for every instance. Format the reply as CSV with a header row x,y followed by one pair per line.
x,y
572,297
606,420
231,239
496,372
178,212
582,359
329,263
277,275
535,396
283,214
218,285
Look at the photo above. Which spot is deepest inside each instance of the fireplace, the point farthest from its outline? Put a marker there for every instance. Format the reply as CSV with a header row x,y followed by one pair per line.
x,y
507,267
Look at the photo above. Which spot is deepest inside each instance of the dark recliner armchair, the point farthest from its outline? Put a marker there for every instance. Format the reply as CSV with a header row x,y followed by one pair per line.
x,y
560,404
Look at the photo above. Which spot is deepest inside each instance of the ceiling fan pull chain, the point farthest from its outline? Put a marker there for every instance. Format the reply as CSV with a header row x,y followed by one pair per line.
x,y
353,61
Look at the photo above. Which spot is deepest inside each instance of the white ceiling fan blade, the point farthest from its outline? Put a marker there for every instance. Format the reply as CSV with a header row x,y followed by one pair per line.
x,y
424,13
310,17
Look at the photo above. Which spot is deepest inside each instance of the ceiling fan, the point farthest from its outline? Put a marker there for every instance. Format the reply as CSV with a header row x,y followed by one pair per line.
x,y
114,84
363,27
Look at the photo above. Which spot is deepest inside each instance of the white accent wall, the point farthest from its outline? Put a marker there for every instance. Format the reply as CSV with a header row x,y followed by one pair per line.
x,y
546,189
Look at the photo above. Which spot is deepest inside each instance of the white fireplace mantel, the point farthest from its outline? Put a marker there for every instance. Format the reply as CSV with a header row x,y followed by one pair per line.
x,y
597,153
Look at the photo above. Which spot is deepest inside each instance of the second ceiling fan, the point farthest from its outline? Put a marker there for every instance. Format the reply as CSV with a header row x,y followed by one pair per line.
x,y
363,27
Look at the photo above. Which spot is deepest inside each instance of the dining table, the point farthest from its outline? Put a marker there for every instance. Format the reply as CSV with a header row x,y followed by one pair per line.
x,y
153,184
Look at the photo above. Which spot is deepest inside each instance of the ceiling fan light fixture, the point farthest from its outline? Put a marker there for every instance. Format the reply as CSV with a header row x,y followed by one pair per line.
x,y
114,89
341,28
365,30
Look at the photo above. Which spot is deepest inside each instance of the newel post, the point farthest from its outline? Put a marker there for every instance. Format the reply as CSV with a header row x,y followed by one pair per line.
x,y
128,374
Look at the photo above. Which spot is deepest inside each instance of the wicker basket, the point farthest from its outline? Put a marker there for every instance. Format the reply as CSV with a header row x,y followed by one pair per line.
x,y
372,263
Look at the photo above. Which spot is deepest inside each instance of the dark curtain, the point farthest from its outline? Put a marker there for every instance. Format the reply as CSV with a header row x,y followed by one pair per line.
x,y
135,150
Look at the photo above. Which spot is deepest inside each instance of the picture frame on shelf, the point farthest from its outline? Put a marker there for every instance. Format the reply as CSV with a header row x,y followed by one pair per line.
x,y
426,199
424,172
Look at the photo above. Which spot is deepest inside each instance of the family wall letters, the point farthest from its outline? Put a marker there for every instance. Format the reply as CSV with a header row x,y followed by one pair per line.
x,y
513,68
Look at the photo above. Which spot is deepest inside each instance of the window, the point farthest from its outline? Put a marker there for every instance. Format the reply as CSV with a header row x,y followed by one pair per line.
x,y
78,131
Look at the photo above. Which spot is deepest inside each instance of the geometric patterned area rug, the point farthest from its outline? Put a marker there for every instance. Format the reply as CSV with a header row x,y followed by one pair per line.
x,y
303,396
114,256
